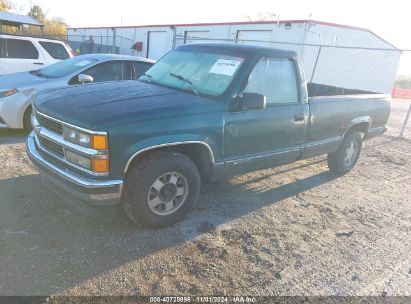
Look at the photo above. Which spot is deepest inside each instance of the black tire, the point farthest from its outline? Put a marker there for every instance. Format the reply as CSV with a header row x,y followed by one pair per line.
x,y
27,120
141,179
337,161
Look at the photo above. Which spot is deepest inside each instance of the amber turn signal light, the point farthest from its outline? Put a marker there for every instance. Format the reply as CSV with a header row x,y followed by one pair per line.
x,y
100,165
99,142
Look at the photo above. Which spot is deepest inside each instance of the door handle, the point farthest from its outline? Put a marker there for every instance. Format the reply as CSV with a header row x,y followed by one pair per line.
x,y
299,117
38,63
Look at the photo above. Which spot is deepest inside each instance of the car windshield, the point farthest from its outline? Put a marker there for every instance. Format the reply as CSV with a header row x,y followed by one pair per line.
x,y
198,72
65,67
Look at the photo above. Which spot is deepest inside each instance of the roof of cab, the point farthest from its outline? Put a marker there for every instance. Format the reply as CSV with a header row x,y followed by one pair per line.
x,y
251,49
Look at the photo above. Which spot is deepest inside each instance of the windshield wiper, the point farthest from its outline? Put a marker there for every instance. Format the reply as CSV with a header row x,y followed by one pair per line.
x,y
187,81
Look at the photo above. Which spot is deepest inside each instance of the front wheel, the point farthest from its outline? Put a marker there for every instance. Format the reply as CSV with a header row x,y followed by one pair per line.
x,y
161,188
345,158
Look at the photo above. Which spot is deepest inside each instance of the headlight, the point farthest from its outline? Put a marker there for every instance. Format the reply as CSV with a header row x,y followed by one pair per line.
x,y
96,163
78,160
8,93
76,137
98,142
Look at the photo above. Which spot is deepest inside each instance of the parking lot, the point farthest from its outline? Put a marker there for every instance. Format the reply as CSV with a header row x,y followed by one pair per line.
x,y
292,230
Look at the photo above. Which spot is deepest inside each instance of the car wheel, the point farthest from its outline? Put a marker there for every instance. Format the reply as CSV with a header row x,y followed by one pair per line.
x,y
161,188
27,120
345,158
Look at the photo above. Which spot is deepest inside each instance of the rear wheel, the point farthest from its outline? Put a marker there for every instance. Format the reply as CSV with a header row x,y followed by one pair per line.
x,y
161,188
345,158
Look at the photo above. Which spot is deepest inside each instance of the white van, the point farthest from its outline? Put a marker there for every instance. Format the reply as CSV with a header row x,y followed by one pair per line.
x,y
21,53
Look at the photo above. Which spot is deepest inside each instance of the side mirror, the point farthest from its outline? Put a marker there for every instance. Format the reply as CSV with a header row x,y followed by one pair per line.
x,y
83,78
253,101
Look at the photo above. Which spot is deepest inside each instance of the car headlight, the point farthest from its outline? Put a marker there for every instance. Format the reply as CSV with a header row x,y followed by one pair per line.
x,y
8,93
77,137
99,164
78,159
98,142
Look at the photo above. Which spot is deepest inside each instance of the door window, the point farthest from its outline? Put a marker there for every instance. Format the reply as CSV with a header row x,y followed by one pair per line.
x,y
274,78
108,71
19,49
56,50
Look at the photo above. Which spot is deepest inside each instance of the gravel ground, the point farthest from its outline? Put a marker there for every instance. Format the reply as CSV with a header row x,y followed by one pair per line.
x,y
292,230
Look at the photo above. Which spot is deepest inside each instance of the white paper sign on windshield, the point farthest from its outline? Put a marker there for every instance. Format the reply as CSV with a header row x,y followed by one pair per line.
x,y
225,66
83,63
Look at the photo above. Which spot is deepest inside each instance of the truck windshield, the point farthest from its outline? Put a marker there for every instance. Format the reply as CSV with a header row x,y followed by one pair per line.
x,y
197,72
64,68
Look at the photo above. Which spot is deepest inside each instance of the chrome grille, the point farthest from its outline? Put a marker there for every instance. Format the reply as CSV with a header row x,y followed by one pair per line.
x,y
51,147
49,139
50,124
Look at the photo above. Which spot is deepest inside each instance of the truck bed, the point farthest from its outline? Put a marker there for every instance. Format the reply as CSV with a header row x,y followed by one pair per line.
x,y
332,113
317,89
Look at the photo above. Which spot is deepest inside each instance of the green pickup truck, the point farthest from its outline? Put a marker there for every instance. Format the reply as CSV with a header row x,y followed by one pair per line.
x,y
202,112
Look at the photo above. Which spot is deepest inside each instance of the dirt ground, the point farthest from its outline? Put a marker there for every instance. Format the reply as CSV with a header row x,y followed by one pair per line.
x,y
292,230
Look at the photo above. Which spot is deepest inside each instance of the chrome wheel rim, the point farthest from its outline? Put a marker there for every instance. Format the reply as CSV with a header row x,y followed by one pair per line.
x,y
350,154
167,193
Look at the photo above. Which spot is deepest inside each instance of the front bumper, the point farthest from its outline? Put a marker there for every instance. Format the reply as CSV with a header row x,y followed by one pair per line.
x,y
77,190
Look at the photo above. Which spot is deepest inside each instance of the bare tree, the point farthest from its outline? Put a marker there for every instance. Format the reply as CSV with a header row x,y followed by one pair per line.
x,y
263,16
37,13
5,5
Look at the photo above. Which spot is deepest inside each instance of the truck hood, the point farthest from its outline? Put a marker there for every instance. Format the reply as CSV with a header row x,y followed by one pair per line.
x,y
20,81
100,105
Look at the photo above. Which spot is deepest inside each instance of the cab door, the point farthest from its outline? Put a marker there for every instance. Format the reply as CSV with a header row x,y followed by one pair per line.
x,y
276,134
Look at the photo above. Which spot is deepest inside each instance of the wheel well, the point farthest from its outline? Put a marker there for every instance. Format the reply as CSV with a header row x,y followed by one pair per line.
x,y
200,154
359,127
24,115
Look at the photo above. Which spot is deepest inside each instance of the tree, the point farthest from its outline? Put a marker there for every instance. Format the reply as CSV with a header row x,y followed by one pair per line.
x,y
37,13
5,6
263,16
403,82
55,27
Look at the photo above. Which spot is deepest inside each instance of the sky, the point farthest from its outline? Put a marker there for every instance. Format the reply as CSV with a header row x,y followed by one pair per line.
x,y
389,19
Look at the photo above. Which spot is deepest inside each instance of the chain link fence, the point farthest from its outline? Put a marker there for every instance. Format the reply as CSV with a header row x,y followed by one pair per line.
x,y
313,57
343,66
105,44
399,123
321,61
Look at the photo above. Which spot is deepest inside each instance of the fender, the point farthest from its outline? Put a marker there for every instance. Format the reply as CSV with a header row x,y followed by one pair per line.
x,y
165,141
13,108
356,121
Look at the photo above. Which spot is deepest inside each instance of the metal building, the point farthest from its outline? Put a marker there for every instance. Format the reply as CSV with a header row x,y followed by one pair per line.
x,y
332,54
14,20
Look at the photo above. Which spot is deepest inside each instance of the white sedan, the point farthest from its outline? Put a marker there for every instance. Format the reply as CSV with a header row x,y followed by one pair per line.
x,y
17,90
